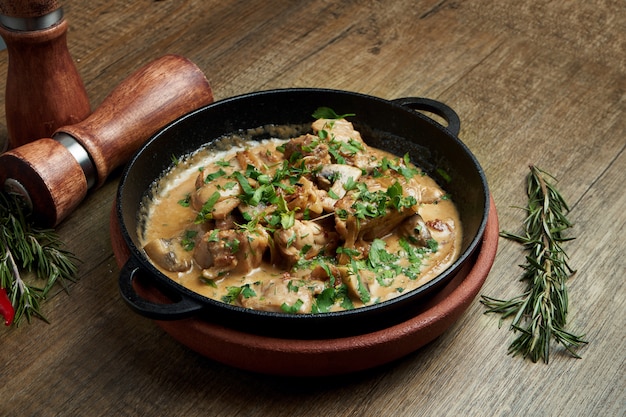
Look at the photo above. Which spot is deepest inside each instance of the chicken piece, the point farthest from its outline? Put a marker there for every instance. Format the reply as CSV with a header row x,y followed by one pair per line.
x,y
328,272
415,230
347,141
169,254
442,231
221,252
307,149
305,239
355,202
275,293
379,227
258,159
339,129
305,197
423,193
252,212
228,190
228,222
358,285
224,207
332,179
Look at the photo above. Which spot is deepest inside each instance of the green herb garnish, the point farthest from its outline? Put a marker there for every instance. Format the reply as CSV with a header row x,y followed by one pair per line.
x,y
328,113
30,252
540,313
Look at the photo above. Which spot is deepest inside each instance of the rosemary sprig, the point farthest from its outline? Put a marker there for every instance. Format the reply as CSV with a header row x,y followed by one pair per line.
x,y
540,313
26,251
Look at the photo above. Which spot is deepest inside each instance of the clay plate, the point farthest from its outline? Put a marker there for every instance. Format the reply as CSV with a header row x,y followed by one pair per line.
x,y
292,357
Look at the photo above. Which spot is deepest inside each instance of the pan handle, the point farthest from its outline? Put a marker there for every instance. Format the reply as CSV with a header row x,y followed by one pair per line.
x,y
433,106
183,307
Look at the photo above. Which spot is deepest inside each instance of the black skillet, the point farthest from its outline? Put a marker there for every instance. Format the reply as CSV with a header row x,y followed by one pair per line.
x,y
393,125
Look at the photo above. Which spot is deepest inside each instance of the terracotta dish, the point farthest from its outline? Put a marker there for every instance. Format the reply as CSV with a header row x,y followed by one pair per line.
x,y
292,357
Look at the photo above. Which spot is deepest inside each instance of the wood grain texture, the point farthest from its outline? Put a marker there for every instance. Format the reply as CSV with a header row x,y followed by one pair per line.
x,y
28,8
540,82
148,99
49,177
43,85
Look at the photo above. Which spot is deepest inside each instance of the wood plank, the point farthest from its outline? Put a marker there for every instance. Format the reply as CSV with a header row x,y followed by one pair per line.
x,y
539,82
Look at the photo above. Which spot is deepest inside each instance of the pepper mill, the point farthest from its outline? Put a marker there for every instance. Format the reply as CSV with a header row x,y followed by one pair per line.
x,y
44,90
53,175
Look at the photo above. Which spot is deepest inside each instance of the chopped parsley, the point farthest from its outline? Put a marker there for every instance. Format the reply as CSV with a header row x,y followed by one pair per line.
x,y
189,239
206,212
214,175
185,202
293,308
233,292
328,113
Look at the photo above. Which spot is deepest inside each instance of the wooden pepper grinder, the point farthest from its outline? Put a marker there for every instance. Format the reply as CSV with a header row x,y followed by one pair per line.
x,y
54,174
44,90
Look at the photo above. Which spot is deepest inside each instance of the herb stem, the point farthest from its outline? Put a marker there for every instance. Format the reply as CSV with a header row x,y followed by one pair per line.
x,y
29,249
540,313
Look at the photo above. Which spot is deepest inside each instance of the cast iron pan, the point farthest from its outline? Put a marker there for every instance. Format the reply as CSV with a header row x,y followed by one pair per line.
x,y
393,125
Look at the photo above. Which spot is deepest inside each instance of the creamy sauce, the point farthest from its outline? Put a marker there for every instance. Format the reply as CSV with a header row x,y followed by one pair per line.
x,y
187,249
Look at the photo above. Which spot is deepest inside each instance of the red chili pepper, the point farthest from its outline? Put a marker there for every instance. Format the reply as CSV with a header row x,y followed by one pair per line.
x,y
6,308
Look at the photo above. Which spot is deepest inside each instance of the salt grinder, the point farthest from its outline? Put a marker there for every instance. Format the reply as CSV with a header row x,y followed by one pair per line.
x,y
44,90
53,174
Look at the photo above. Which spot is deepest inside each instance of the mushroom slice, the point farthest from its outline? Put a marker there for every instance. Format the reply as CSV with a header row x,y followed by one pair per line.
x,y
169,254
338,175
415,230
358,284
224,187
221,252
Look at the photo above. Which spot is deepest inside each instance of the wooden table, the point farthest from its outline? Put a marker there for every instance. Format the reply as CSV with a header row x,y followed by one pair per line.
x,y
533,82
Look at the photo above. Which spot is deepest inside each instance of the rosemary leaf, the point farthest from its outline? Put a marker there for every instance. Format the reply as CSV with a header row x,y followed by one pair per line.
x,y
28,254
540,313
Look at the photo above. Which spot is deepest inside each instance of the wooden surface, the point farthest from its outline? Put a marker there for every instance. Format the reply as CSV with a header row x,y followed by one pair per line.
x,y
540,82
